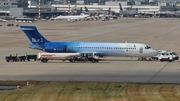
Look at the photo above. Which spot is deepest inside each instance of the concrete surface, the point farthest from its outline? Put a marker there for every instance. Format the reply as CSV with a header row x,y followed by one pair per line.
x,y
159,33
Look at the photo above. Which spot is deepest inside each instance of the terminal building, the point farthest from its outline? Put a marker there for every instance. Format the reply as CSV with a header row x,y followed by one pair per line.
x,y
49,8
143,6
21,8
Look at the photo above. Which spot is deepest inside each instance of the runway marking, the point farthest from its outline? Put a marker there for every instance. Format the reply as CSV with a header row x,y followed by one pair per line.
x,y
157,73
174,28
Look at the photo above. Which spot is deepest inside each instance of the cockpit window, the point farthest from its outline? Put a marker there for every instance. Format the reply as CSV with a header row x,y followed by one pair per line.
x,y
147,47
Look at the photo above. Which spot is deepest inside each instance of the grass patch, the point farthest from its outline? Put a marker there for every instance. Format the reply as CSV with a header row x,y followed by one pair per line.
x,y
80,91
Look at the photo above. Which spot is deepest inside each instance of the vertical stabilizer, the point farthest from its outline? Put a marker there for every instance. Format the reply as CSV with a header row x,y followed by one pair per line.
x,y
86,9
120,7
174,7
34,36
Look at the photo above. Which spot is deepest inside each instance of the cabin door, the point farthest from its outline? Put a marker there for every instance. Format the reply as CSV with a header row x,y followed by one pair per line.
x,y
141,50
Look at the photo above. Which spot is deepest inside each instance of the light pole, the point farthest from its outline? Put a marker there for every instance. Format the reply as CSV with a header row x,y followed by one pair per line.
x,y
39,15
69,6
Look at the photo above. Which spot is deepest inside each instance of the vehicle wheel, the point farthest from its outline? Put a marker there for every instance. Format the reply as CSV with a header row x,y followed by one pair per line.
x,y
149,59
170,60
44,60
93,60
73,61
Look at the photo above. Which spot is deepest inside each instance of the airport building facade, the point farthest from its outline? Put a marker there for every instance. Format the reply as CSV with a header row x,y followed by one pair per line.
x,y
60,7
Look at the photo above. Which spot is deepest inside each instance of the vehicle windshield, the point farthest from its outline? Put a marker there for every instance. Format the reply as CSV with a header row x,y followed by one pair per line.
x,y
174,53
147,47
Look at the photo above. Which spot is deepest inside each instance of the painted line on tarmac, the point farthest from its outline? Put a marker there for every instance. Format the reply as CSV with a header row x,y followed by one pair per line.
x,y
174,28
157,73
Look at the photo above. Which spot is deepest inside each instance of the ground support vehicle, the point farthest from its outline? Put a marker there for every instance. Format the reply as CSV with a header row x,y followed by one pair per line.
x,y
166,55
11,58
31,56
45,57
175,56
93,57
22,58
105,18
72,57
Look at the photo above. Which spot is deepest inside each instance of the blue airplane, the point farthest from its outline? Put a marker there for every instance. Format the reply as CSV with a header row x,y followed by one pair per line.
x,y
103,49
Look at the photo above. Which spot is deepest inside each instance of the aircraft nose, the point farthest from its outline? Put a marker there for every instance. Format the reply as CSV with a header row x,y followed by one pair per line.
x,y
155,52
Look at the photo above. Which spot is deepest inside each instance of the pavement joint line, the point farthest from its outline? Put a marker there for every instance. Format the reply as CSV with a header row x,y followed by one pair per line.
x,y
157,73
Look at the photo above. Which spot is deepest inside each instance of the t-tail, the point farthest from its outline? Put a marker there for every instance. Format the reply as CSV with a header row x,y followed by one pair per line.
x,y
35,37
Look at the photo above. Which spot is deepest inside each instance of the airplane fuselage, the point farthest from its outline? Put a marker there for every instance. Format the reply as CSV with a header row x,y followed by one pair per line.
x,y
104,49
71,17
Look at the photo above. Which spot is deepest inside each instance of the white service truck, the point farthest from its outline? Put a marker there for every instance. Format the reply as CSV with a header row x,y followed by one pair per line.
x,y
166,55
72,57
93,57
175,56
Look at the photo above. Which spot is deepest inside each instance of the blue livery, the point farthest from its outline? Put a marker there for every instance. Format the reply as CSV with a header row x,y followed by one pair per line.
x,y
103,49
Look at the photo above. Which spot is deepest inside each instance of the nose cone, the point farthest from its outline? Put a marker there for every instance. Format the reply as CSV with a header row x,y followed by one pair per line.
x,y
154,52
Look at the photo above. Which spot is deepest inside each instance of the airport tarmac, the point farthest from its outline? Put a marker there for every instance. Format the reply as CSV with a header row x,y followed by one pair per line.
x,y
159,33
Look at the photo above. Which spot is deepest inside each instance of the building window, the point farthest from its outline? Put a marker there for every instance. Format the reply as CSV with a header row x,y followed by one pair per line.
x,y
13,3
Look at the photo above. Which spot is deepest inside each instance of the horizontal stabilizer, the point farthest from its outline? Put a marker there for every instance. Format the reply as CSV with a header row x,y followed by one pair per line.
x,y
35,46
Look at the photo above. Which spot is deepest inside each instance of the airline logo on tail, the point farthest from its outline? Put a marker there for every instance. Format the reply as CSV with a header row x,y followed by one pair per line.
x,y
37,40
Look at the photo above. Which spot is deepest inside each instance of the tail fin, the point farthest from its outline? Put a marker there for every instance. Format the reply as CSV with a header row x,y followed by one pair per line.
x,y
174,7
120,7
86,9
34,36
